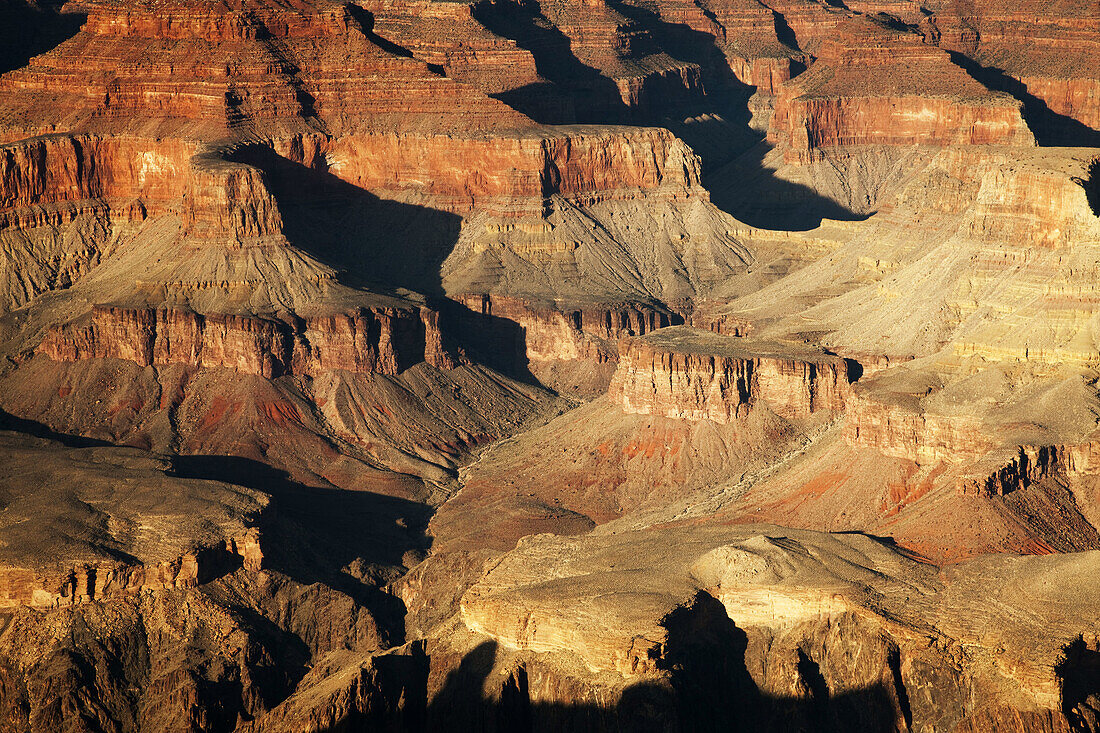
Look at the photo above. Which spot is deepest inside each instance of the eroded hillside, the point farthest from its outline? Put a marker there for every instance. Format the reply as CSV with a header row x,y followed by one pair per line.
x,y
492,365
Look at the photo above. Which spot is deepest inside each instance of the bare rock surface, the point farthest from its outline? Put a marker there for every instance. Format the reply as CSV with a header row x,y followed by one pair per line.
x,y
549,365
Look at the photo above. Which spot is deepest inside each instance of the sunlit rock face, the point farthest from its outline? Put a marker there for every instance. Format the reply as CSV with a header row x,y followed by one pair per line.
x,y
692,375
582,365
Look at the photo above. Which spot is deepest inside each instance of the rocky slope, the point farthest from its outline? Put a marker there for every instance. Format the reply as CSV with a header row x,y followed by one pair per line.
x,y
492,365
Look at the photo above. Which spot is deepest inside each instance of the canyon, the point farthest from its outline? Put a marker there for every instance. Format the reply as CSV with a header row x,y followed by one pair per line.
x,y
594,365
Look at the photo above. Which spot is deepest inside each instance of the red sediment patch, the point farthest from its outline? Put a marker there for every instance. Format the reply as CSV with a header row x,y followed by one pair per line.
x,y
1034,546
943,554
640,446
821,484
280,413
217,412
901,494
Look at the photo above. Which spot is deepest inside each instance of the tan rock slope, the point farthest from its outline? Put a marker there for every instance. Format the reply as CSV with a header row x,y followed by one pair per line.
x,y
549,365
89,523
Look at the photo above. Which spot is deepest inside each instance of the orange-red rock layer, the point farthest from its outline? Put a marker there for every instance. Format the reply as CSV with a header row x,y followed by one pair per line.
x,y
377,340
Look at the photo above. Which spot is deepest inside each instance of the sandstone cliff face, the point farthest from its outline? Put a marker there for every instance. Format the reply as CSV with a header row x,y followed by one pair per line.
x,y
749,37
922,437
53,179
45,173
625,50
589,165
565,334
105,580
1027,50
583,164
871,87
450,36
774,623
384,341
685,374
811,123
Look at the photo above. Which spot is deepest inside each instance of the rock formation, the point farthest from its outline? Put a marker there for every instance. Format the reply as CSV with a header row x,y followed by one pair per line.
x,y
525,365
692,375
94,523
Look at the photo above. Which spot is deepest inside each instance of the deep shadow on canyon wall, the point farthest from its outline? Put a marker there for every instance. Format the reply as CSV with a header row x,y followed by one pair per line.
x,y
386,246
313,535
30,28
1079,670
1050,128
717,108
707,688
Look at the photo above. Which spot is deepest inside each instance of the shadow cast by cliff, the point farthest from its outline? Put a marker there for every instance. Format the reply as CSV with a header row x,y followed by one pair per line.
x,y
349,540
1050,127
385,246
750,191
713,117
37,429
706,687
377,243
1079,672
573,92
28,29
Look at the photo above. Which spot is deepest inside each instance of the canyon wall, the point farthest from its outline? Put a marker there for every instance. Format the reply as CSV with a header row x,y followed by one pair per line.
x,y
913,434
778,612
584,164
48,589
556,332
382,340
1047,58
688,375
515,173
870,86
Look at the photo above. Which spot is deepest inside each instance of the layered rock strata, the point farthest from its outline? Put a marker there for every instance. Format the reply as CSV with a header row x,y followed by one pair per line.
x,y
382,341
873,86
905,431
695,375
91,582
557,332
1047,58
205,72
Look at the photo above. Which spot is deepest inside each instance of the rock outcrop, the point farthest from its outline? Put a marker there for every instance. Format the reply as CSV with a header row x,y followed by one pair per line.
x,y
690,374
383,341
96,523
872,86
770,604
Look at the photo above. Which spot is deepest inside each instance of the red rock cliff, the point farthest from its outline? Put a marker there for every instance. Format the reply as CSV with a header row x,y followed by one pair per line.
x,y
381,340
870,86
